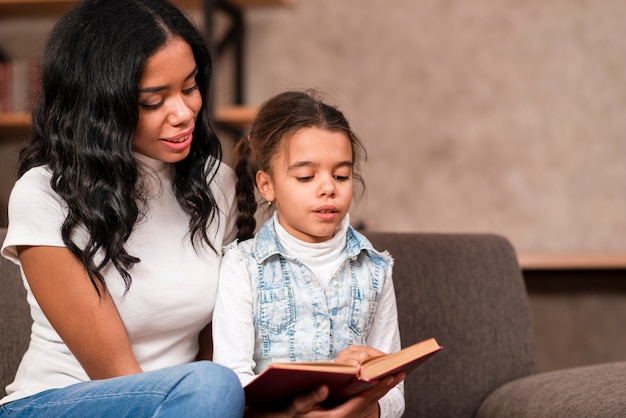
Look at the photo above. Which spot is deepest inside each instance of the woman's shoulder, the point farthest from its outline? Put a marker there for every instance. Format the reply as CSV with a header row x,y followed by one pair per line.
x,y
35,212
221,172
33,183
222,179
37,174
33,196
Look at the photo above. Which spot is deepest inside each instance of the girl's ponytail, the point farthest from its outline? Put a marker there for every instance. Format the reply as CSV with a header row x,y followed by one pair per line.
x,y
245,191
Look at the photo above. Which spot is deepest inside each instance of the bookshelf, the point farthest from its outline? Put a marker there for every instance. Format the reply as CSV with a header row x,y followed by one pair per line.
x,y
236,116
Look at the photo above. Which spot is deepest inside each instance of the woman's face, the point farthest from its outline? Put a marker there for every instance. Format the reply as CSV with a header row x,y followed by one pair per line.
x,y
169,102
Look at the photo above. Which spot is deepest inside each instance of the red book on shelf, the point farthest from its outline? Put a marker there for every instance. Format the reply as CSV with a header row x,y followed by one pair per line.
x,y
5,87
280,382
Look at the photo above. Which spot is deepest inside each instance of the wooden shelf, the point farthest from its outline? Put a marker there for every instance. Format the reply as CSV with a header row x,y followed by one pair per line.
x,y
260,3
14,120
238,117
52,7
235,116
572,261
34,7
57,7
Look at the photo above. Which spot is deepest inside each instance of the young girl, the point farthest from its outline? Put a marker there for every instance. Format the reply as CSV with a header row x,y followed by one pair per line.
x,y
308,287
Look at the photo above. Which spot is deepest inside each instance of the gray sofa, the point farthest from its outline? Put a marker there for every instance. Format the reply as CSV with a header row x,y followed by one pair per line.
x,y
466,290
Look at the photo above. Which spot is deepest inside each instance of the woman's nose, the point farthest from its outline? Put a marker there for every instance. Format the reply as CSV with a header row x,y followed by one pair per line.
x,y
180,113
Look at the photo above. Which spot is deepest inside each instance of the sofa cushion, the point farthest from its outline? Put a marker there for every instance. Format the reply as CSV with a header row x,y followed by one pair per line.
x,y
589,391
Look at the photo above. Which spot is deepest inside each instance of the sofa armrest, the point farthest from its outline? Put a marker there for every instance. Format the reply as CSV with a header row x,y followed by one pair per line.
x,y
589,391
15,319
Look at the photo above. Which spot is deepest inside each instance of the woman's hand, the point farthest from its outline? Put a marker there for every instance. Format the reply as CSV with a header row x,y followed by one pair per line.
x,y
364,405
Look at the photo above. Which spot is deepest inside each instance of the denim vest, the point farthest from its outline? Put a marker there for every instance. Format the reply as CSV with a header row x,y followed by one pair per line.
x,y
295,319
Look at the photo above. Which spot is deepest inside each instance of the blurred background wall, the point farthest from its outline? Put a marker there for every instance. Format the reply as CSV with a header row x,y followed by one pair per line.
x,y
489,115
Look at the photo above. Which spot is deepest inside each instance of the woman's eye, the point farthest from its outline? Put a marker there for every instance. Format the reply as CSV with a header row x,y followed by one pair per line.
x,y
190,89
151,106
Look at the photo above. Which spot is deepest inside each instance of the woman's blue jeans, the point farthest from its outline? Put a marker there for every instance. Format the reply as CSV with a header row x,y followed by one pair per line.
x,y
199,389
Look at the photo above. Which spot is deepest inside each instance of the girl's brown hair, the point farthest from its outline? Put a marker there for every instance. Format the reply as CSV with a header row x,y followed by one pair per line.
x,y
277,120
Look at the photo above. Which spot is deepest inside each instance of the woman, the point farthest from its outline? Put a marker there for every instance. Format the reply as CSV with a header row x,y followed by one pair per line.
x,y
117,221
113,224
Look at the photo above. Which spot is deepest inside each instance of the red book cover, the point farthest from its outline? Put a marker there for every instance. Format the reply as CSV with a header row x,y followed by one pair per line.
x,y
280,382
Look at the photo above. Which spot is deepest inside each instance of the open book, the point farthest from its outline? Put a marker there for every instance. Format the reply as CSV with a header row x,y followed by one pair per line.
x,y
280,382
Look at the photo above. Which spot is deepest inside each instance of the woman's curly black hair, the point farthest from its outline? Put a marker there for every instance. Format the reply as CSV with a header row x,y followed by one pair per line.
x,y
85,117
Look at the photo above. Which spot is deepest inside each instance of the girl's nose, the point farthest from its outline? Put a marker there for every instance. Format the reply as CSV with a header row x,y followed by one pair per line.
x,y
327,187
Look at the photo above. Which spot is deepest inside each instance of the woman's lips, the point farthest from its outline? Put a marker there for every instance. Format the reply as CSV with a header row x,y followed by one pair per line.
x,y
179,138
179,142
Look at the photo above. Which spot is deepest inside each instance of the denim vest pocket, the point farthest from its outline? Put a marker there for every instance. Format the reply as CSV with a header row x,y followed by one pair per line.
x,y
362,308
276,312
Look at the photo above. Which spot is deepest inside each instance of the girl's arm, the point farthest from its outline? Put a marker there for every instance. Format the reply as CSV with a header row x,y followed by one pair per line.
x,y
385,336
233,322
88,324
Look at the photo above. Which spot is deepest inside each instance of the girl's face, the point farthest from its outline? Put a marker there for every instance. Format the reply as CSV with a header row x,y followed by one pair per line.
x,y
311,183
169,102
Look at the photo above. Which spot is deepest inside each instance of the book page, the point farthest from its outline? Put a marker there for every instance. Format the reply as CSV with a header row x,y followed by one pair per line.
x,y
404,360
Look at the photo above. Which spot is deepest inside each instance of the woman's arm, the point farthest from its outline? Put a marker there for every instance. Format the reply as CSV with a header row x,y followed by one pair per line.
x,y
88,324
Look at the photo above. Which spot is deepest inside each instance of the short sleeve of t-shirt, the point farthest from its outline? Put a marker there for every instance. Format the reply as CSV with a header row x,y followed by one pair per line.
x,y
36,213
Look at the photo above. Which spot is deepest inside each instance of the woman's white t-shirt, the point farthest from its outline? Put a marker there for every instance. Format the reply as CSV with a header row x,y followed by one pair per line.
x,y
173,288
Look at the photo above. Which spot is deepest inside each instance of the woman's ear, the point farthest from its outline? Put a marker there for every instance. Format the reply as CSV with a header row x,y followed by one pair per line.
x,y
264,184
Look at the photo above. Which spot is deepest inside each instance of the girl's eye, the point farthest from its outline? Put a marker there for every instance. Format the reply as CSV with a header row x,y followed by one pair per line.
x,y
304,179
342,178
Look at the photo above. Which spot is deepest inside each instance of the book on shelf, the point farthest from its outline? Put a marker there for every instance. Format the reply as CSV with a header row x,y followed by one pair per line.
x,y
280,382
19,82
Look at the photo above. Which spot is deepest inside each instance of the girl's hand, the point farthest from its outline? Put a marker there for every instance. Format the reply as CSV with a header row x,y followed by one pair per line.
x,y
356,355
364,405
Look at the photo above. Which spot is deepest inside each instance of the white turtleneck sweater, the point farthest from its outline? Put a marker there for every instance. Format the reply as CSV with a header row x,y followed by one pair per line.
x,y
323,258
